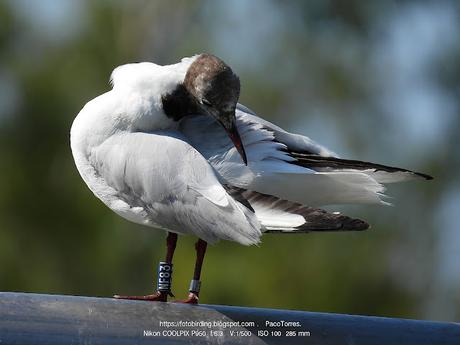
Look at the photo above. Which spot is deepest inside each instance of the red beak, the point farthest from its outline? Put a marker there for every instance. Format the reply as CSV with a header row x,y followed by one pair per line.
x,y
232,132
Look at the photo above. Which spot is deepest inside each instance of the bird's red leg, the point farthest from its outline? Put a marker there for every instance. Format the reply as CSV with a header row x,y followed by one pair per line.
x,y
164,275
195,284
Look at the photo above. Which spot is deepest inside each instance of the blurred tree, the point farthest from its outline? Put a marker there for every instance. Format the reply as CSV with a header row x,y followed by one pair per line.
x,y
306,65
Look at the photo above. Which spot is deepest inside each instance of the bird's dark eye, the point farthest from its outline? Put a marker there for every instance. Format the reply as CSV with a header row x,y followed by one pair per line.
x,y
206,102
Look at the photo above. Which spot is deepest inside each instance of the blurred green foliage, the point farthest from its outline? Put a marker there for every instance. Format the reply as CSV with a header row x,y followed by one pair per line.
x,y
56,237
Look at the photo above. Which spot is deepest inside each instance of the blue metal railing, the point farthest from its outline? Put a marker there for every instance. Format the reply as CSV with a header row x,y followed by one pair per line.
x,y
55,319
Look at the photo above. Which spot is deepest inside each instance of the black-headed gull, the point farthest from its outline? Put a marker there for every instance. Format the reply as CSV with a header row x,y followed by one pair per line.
x,y
169,147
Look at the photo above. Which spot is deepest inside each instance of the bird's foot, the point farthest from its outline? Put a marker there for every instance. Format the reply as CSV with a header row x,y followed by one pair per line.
x,y
159,296
191,299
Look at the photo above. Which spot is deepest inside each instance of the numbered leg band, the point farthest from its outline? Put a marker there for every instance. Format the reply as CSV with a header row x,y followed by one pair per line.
x,y
195,286
165,271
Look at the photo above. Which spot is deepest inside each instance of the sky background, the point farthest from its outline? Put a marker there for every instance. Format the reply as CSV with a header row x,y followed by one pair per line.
x,y
375,81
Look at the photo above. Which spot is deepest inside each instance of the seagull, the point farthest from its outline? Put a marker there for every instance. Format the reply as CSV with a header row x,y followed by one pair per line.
x,y
170,147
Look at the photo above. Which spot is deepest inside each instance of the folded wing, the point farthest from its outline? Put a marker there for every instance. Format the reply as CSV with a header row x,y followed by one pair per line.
x,y
274,166
158,179
290,171
282,216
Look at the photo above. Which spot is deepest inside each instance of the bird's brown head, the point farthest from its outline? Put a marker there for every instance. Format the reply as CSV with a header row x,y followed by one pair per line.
x,y
216,89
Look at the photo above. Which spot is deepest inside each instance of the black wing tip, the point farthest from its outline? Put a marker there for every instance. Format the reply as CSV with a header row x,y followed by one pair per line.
x,y
315,161
316,219
355,225
425,176
337,223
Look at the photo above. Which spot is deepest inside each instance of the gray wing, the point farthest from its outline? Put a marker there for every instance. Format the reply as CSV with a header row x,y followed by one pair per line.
x,y
293,142
288,171
311,155
271,169
159,179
